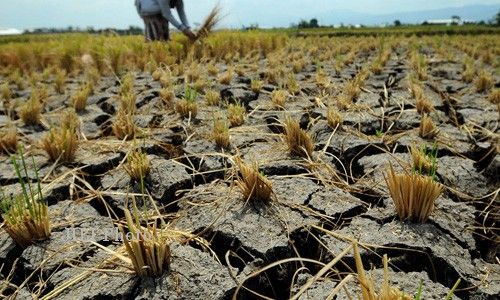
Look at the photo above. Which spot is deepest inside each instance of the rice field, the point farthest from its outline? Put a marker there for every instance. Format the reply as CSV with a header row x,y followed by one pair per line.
x,y
250,165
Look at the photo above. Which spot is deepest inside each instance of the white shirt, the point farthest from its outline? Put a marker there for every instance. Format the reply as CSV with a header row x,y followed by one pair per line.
x,y
163,7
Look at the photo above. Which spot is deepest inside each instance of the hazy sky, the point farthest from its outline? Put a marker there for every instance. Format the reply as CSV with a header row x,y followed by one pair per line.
x,y
25,14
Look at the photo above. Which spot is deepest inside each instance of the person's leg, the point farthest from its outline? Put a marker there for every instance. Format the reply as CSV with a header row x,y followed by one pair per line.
x,y
162,32
147,29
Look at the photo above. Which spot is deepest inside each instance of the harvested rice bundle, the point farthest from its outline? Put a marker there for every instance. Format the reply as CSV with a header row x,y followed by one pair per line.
x,y
209,24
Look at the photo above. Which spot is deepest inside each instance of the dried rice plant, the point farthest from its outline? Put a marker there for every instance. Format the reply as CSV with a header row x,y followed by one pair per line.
x,y
299,142
423,105
147,247
157,73
424,163
236,114
124,126
200,84
70,120
278,98
193,73
127,103
26,215
333,117
292,85
368,292
484,82
220,133
60,144
256,85
413,194
79,99
427,128
127,84
187,107
352,90
210,22
60,81
212,98
8,139
212,69
253,184
494,96
138,164
226,77
31,111
5,92
167,96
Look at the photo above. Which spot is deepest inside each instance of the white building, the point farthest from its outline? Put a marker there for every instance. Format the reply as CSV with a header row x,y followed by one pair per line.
x,y
448,22
9,31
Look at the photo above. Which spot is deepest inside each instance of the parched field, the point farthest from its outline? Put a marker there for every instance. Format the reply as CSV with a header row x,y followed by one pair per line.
x,y
252,165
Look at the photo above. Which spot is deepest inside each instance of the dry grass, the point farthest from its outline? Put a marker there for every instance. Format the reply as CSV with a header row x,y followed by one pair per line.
x,y
60,81
138,164
79,99
166,80
292,85
368,290
193,73
421,162
415,88
124,126
8,139
70,120
17,79
127,103
469,71
352,89
236,114
147,247
220,133
200,84
167,96
256,85
427,128
333,117
323,80
5,92
212,98
484,82
278,98
209,23
31,111
413,194
156,75
127,84
26,215
187,107
226,77
253,184
299,142
212,69
423,105
494,96
60,144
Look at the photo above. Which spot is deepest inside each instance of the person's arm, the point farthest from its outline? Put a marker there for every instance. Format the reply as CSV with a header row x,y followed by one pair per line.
x,y
182,13
138,6
167,14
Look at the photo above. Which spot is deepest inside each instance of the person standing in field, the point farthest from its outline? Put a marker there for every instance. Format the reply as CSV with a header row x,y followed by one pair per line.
x,y
157,14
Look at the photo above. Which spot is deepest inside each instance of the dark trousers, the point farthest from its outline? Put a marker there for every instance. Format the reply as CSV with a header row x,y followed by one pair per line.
x,y
156,28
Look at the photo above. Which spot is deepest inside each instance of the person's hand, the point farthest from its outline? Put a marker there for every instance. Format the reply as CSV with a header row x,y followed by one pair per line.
x,y
189,34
